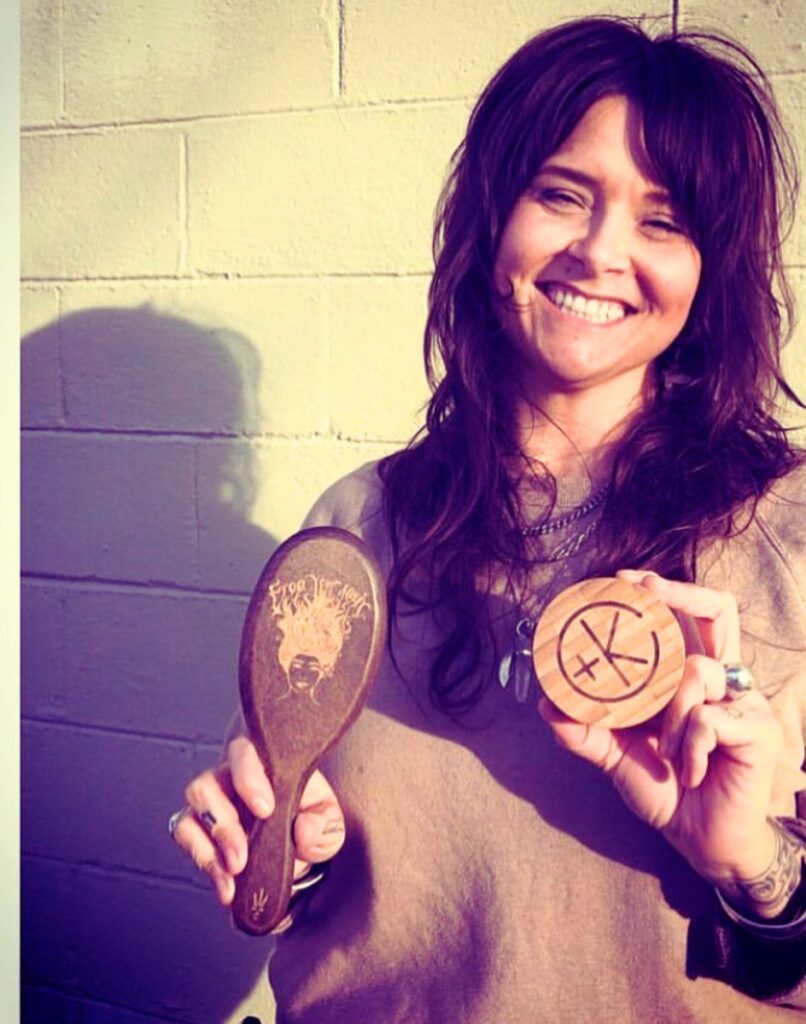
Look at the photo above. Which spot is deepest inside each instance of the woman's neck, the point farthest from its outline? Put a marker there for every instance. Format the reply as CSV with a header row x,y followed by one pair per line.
x,y
574,433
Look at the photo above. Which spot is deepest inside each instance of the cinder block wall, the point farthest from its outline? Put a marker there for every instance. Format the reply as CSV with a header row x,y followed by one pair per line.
x,y
226,218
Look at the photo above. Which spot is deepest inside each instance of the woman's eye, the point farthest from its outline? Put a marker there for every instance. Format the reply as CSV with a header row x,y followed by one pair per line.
x,y
559,198
664,225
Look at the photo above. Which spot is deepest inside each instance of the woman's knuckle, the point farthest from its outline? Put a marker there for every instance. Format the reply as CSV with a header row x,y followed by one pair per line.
x,y
699,664
197,788
238,748
729,603
698,669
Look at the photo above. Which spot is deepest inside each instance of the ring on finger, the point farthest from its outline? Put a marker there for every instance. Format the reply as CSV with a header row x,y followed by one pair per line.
x,y
176,817
738,681
208,819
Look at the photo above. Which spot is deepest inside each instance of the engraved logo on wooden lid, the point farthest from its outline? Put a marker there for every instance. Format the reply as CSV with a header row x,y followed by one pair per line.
x,y
608,652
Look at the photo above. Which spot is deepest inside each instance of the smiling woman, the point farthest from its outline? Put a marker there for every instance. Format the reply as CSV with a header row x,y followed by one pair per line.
x,y
603,339
596,276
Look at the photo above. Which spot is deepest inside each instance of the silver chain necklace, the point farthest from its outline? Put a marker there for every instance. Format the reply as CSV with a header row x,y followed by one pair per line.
x,y
559,522
516,666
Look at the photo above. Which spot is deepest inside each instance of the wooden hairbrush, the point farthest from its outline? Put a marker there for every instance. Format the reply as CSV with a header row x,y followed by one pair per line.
x,y
311,645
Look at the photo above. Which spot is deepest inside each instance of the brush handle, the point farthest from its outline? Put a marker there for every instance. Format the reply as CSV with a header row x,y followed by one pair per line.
x,y
263,889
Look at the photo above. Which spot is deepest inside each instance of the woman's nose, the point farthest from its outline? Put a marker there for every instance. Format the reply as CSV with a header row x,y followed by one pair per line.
x,y
603,245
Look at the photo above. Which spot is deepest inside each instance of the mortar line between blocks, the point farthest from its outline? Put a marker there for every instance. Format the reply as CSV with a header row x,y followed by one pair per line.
x,y
380,104
100,585
675,17
196,523
123,436
60,356
182,203
342,45
62,82
159,739
230,277
327,336
93,1000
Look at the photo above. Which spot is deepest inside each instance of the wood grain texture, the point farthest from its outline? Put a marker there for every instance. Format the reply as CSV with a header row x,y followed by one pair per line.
x,y
606,652
311,645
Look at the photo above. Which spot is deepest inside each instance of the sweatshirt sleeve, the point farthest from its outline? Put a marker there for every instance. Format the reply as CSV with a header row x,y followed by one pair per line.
x,y
766,963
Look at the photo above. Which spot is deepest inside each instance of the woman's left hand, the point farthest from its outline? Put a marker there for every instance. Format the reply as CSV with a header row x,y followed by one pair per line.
x,y
702,771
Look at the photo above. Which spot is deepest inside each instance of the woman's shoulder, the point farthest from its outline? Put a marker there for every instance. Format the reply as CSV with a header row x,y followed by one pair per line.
x,y
781,513
770,547
351,503
775,540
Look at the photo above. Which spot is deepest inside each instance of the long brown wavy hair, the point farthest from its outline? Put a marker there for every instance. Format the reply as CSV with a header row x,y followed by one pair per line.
x,y
707,443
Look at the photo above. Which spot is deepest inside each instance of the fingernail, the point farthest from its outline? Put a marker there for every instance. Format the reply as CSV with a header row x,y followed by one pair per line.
x,y
262,807
233,858
333,828
226,890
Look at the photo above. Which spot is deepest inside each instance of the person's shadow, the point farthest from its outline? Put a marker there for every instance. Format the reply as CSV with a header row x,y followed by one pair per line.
x,y
138,557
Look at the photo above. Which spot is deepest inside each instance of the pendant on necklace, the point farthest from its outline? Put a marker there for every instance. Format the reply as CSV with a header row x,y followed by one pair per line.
x,y
516,665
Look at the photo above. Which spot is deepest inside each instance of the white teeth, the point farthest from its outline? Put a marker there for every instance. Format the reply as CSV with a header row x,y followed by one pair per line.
x,y
596,310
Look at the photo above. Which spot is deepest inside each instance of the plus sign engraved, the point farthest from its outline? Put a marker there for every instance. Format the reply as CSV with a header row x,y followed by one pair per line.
x,y
608,652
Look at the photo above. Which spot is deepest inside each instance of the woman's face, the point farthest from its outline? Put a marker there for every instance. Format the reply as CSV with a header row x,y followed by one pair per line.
x,y
601,275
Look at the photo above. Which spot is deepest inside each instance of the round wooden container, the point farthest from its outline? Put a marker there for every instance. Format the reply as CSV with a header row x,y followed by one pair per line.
x,y
608,653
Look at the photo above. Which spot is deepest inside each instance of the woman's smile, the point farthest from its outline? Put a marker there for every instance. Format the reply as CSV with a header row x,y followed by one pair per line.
x,y
591,309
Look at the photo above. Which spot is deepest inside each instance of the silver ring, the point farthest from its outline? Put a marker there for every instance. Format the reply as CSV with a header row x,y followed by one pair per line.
x,y
738,681
175,818
208,819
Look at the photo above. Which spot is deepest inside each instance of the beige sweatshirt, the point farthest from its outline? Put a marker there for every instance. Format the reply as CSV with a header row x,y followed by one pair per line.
x,y
490,877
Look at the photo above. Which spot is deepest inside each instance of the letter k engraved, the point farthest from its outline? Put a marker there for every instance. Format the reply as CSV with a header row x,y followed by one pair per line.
x,y
611,656
592,651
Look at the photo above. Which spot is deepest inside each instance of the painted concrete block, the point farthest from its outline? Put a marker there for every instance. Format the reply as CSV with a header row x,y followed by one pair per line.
x,y
289,474
39,308
138,368
41,385
102,797
165,664
40,59
153,662
46,1006
49,951
192,967
772,31
42,1005
794,358
441,49
223,357
377,379
101,204
43,651
232,547
327,191
149,61
108,1013
790,91
108,507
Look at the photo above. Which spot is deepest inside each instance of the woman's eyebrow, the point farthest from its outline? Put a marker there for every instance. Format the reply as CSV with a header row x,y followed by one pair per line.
x,y
655,195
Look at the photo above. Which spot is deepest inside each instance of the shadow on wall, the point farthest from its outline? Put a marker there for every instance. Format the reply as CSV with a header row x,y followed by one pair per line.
x,y
138,557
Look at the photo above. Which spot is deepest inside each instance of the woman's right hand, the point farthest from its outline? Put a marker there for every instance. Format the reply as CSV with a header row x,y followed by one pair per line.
x,y
223,802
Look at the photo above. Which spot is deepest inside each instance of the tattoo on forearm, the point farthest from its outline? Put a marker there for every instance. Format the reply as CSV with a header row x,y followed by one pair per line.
x,y
768,893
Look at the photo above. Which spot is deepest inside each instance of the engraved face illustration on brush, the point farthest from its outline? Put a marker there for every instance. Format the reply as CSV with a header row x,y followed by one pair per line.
x,y
314,616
